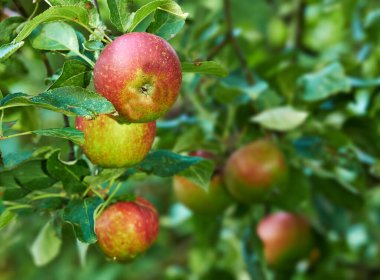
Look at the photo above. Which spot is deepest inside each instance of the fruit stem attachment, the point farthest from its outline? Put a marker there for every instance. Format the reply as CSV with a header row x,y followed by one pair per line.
x,y
88,29
107,202
15,135
34,11
89,61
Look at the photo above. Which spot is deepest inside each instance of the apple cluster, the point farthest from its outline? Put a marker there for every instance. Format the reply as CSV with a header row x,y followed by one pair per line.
x,y
140,74
250,175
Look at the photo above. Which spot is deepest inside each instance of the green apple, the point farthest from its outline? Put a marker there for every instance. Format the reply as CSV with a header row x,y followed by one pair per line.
x,y
111,144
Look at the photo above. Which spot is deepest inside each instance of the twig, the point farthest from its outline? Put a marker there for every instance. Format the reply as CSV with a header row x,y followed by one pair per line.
x,y
300,24
239,53
300,29
218,48
71,144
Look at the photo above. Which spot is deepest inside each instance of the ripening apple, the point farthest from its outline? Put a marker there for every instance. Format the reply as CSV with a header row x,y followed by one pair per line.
x,y
197,199
286,238
111,144
127,229
140,74
253,170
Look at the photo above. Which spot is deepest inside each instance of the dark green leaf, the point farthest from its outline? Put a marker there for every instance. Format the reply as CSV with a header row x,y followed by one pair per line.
x,y
294,193
55,36
199,173
15,193
166,25
2,207
71,175
66,100
74,73
69,13
8,28
327,82
204,67
80,213
119,14
8,49
165,163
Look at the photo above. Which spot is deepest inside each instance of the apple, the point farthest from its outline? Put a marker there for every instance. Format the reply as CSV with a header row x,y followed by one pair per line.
x,y
286,238
197,199
111,144
140,74
253,170
127,229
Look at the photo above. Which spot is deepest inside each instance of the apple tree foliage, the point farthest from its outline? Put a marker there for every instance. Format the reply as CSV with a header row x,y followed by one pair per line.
x,y
303,73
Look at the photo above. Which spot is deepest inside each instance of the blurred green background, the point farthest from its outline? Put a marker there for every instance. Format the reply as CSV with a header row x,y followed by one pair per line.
x,y
282,42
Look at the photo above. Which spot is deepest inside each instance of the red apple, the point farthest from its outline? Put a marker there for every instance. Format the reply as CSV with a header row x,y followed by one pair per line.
x,y
127,229
253,170
140,74
109,143
286,237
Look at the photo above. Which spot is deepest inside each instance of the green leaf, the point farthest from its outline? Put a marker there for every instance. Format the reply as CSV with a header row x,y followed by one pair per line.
x,y
199,173
189,140
204,67
6,217
55,36
80,213
46,246
31,176
165,163
295,193
69,13
8,49
327,82
74,73
93,46
71,175
8,28
166,25
281,118
166,5
68,100
119,14
68,133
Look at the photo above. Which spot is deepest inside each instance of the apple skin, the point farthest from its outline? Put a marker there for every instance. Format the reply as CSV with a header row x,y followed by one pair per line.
x,y
140,74
286,237
253,170
113,145
127,229
200,201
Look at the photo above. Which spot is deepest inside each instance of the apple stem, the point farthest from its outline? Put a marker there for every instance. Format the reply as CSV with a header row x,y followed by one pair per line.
x,y
107,202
